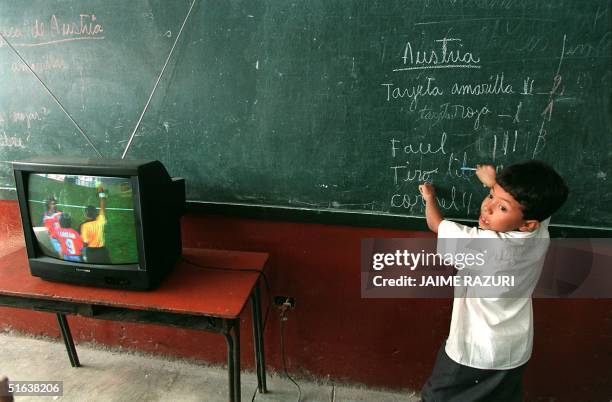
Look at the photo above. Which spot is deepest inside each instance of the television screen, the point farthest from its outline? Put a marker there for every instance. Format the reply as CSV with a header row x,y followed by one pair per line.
x,y
78,218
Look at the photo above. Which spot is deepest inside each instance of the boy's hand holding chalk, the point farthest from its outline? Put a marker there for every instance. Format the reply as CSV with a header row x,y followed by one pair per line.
x,y
428,191
486,174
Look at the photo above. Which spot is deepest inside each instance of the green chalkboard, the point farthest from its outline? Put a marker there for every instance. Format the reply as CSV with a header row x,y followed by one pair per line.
x,y
329,105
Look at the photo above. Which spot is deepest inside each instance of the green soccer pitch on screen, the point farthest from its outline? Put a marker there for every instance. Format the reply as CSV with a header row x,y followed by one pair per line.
x,y
84,218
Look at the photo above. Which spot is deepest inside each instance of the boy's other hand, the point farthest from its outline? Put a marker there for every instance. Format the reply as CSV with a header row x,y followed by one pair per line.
x,y
428,191
486,174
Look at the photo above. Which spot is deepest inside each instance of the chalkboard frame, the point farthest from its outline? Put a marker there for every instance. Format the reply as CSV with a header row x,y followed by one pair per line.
x,y
356,219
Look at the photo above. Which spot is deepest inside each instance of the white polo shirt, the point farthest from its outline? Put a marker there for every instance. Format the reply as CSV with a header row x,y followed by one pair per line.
x,y
496,333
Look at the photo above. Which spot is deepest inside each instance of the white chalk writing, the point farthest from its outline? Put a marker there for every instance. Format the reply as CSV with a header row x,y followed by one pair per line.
x,y
54,30
446,111
447,54
413,93
494,86
12,140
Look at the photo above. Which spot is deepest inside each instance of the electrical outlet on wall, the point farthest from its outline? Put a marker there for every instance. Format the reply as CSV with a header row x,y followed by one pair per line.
x,y
280,301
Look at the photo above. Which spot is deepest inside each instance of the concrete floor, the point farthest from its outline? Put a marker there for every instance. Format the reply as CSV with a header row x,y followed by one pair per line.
x,y
113,375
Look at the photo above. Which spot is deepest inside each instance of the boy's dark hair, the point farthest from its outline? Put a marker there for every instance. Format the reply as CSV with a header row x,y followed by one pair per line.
x,y
91,212
539,189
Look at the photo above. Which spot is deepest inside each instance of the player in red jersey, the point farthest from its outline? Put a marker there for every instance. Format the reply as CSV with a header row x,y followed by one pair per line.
x,y
50,220
70,240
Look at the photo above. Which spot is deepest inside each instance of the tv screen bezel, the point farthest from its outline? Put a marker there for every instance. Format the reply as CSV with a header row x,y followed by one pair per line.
x,y
158,235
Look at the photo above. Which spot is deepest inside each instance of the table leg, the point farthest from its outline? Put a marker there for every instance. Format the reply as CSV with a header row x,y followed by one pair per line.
x,y
67,337
233,358
258,335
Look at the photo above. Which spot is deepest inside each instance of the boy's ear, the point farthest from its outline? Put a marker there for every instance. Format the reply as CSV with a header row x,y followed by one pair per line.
x,y
530,225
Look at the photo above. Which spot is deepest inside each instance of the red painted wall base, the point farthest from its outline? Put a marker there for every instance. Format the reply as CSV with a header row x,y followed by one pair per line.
x,y
335,334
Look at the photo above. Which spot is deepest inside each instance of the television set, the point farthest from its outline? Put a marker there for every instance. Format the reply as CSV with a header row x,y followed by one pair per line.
x,y
100,222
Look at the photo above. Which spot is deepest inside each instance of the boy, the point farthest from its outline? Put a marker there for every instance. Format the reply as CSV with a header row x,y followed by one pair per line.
x,y
490,339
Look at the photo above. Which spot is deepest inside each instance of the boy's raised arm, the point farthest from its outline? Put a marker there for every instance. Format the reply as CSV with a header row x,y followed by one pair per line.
x,y
432,212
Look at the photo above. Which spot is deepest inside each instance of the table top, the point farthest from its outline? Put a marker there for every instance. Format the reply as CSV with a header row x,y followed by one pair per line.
x,y
203,282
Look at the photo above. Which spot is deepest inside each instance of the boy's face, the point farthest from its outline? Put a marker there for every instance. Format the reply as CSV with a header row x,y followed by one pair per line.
x,y
500,212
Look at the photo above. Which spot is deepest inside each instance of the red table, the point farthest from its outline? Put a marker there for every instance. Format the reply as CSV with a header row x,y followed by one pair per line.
x,y
206,290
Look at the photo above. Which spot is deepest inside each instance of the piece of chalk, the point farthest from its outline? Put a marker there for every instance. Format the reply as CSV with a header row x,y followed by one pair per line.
x,y
467,168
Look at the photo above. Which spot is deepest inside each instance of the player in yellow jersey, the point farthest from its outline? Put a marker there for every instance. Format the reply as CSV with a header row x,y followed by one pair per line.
x,y
92,232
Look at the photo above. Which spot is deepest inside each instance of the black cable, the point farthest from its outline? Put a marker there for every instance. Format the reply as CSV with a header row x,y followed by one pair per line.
x,y
270,303
282,339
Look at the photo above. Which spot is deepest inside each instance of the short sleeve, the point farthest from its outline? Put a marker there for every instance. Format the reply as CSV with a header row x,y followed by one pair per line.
x,y
101,219
453,230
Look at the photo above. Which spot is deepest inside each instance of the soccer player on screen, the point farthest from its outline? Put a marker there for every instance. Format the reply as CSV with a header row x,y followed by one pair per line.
x,y
70,240
50,220
92,231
